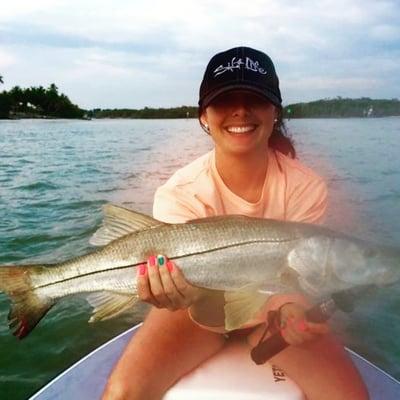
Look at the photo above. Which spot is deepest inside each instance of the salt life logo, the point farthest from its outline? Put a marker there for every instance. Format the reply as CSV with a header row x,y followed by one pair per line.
x,y
237,64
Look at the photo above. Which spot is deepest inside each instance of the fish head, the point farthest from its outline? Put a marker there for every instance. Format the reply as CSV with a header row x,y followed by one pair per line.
x,y
356,262
308,259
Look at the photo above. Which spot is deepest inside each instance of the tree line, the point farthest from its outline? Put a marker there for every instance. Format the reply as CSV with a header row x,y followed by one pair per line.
x,y
343,108
145,113
326,108
48,102
37,102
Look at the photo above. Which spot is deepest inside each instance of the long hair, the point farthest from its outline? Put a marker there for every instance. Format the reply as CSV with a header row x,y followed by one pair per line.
x,y
280,140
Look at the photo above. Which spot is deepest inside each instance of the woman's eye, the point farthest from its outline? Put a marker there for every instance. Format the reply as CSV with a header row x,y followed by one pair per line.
x,y
250,100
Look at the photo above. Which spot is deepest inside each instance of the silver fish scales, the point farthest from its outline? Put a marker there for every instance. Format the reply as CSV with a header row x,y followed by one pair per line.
x,y
247,258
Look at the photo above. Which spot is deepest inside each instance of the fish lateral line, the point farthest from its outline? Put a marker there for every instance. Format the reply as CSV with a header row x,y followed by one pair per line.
x,y
138,263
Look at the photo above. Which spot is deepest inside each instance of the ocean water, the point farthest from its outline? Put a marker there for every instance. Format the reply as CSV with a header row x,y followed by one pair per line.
x,y
55,175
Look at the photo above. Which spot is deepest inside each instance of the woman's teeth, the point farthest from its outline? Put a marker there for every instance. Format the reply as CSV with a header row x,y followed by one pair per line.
x,y
240,129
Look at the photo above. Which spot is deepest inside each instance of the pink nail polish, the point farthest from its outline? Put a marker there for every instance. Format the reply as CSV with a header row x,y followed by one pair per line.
x,y
170,266
142,269
152,261
301,326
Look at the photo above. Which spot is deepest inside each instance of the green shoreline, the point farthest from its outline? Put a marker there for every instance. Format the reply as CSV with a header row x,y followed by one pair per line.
x,y
48,103
325,108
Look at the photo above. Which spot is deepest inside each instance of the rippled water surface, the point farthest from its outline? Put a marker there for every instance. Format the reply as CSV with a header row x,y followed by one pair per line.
x,y
55,175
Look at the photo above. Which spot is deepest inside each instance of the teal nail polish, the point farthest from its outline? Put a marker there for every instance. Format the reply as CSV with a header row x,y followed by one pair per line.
x,y
160,260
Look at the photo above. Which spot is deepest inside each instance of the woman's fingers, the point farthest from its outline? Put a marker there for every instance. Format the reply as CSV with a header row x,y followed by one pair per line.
x,y
156,285
189,292
296,332
143,285
161,283
176,299
295,329
318,329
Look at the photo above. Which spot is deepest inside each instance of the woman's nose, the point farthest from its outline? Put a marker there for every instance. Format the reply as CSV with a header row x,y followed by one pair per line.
x,y
240,105
240,109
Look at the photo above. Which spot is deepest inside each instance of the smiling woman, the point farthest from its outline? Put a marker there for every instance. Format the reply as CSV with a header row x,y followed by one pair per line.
x,y
240,122
259,86
246,173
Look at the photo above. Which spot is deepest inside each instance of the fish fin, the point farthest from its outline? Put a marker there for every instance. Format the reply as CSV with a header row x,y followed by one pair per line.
x,y
242,305
119,221
27,308
107,305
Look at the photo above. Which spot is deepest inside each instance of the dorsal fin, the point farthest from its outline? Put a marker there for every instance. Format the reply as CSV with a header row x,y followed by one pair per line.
x,y
119,221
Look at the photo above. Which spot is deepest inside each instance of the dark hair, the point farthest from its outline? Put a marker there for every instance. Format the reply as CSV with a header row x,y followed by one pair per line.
x,y
280,140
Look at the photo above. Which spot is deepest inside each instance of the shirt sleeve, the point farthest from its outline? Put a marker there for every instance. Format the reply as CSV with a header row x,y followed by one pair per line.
x,y
308,202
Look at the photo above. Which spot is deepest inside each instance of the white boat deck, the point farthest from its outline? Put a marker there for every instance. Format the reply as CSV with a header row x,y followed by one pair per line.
x,y
86,379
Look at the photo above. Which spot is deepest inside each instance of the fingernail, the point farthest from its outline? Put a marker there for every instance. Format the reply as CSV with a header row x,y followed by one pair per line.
x,y
152,261
142,269
170,266
301,326
160,260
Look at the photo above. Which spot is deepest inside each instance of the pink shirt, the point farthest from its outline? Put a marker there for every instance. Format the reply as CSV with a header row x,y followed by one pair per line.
x,y
291,192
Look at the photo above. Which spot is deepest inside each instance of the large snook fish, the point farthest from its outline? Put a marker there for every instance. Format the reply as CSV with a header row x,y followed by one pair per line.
x,y
247,258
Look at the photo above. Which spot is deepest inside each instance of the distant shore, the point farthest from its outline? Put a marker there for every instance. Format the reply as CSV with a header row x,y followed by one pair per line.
x,y
344,108
325,108
35,116
21,104
37,102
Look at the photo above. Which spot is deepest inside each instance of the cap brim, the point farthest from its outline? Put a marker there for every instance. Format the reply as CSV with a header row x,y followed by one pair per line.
x,y
250,88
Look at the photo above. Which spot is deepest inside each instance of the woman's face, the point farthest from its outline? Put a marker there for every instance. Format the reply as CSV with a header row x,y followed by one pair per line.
x,y
240,122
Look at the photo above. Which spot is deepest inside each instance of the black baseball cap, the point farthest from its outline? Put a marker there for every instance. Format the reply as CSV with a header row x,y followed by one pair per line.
x,y
240,68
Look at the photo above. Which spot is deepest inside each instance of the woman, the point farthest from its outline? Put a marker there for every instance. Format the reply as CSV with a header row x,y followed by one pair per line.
x,y
251,171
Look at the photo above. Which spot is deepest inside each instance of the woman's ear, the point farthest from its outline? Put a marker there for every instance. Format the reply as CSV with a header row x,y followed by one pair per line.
x,y
203,118
204,122
276,114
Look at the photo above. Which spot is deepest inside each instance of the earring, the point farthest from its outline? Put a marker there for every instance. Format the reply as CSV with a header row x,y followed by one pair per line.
x,y
206,126
276,120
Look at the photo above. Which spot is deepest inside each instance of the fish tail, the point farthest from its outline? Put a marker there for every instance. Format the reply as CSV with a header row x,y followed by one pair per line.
x,y
27,308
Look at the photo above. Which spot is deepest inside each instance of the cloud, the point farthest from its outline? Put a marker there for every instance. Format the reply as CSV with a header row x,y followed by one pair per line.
x,y
11,10
385,32
154,53
7,59
322,83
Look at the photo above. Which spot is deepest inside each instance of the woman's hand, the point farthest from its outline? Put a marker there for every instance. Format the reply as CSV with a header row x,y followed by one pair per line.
x,y
161,283
295,329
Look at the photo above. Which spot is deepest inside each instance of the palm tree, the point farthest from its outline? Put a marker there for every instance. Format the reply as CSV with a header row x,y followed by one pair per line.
x,y
1,79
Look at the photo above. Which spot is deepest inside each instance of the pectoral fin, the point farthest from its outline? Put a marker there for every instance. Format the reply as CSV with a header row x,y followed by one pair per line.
x,y
107,305
241,306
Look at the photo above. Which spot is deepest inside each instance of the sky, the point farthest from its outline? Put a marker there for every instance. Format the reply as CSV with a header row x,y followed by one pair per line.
x,y
133,54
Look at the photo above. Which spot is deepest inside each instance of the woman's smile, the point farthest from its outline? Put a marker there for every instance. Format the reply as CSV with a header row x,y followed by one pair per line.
x,y
240,122
241,129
